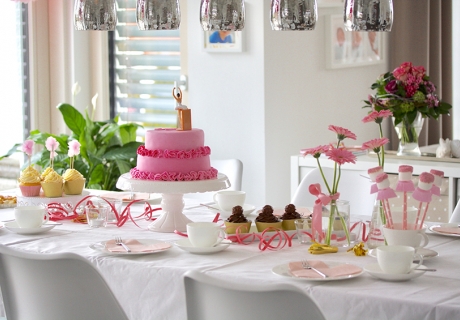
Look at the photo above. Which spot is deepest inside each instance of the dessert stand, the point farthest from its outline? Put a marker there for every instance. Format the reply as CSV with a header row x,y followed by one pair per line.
x,y
172,193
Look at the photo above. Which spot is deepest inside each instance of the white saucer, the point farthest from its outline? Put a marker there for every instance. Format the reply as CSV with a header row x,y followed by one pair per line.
x,y
426,253
452,225
13,227
375,271
185,244
100,246
247,210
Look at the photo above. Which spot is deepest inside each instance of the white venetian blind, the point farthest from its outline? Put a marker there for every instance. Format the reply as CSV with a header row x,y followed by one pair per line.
x,y
144,67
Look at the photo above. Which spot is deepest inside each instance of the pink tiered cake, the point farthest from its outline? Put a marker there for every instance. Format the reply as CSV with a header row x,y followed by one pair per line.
x,y
172,155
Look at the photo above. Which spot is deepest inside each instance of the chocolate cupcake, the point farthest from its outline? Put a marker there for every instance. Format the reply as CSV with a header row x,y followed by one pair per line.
x,y
237,220
266,219
289,217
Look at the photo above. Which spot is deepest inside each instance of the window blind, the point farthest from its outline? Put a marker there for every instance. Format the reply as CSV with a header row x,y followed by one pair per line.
x,y
144,67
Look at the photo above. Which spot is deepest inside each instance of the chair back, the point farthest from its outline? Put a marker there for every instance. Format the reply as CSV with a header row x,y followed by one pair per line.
x,y
54,287
455,217
209,298
354,186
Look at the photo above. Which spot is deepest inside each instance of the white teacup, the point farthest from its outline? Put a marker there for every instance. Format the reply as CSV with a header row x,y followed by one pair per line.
x,y
397,259
227,199
205,234
413,238
31,216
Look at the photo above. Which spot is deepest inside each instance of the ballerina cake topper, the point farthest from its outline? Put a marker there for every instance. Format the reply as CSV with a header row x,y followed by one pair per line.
x,y
184,115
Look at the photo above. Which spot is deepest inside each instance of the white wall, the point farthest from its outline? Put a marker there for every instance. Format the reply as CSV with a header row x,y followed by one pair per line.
x,y
265,104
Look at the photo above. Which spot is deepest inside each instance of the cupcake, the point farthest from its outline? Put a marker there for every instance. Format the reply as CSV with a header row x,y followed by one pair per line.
x,y
52,185
74,182
237,220
289,217
45,173
266,219
29,182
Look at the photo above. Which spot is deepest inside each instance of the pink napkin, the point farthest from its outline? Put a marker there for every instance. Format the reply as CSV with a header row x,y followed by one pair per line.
x,y
335,271
135,246
448,230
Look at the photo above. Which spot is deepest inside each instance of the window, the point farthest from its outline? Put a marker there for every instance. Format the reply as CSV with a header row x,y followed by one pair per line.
x,y
143,68
14,77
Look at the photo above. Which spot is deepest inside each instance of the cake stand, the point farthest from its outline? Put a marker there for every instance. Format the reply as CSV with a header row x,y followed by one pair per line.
x,y
172,193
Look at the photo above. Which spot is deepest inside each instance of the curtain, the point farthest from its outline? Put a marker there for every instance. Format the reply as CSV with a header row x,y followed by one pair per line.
x,y
422,34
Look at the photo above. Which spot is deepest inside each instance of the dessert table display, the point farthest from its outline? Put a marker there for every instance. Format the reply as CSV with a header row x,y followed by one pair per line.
x,y
149,285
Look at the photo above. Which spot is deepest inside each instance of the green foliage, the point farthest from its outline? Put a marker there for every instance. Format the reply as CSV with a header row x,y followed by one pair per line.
x,y
107,149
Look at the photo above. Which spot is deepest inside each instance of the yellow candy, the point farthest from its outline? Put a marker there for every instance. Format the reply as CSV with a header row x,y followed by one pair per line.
x,y
318,248
358,249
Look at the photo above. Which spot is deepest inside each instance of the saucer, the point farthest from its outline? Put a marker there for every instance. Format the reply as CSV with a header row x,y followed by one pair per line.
x,y
247,210
101,247
185,245
426,253
375,271
13,227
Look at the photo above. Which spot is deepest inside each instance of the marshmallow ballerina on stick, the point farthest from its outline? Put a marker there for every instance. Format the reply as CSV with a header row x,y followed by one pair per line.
x,y
423,194
384,193
405,185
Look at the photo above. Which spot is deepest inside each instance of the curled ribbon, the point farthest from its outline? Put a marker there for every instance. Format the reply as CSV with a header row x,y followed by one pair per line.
x,y
266,238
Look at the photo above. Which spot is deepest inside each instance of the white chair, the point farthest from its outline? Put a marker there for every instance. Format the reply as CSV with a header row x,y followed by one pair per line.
x,y
455,217
232,168
210,298
54,287
354,186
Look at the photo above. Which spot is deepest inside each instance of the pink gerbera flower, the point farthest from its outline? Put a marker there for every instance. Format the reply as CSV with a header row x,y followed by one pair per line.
x,y
375,144
316,151
341,156
342,133
377,116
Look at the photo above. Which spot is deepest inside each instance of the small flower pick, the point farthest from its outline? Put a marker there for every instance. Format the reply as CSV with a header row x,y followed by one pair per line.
x,y
27,148
51,145
74,150
405,185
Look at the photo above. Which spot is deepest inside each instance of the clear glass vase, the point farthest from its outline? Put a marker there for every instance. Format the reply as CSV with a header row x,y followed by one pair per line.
x,y
338,228
408,133
375,236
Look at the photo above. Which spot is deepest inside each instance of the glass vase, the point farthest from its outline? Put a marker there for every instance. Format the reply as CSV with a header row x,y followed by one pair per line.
x,y
375,236
408,133
338,228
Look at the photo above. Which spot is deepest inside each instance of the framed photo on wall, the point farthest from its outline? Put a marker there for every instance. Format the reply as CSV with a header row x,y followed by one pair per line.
x,y
351,48
222,41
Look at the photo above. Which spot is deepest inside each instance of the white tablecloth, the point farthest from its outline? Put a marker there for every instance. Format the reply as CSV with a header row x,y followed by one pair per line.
x,y
151,286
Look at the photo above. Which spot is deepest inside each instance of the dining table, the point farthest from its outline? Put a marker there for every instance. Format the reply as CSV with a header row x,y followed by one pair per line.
x,y
151,286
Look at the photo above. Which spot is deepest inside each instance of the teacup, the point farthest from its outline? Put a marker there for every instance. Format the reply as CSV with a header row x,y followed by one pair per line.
x,y
397,259
31,216
227,199
205,234
415,238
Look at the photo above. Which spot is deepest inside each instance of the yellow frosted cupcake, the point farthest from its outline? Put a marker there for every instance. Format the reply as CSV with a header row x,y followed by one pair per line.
x,y
45,173
52,185
74,182
29,182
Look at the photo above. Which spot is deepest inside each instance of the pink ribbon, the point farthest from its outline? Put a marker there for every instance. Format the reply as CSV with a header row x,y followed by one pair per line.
x,y
270,239
317,216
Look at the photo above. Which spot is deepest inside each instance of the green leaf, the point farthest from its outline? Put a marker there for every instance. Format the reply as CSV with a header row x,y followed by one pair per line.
x,y
123,166
97,175
72,118
14,149
126,152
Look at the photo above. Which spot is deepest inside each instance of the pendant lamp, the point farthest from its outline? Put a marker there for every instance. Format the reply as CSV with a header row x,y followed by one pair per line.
x,y
293,15
95,15
225,15
368,15
158,14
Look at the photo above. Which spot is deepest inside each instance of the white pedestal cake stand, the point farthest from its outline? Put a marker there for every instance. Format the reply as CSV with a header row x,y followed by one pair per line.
x,y
172,193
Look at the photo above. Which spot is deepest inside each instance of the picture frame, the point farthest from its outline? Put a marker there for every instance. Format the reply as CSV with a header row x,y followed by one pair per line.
x,y
345,49
227,41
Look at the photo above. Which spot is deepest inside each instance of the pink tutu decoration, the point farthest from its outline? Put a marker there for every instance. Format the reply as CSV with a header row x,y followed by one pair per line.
x,y
436,190
374,188
386,193
422,195
405,186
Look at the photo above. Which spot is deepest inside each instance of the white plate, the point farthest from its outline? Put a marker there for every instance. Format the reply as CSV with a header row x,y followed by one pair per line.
x,y
100,246
442,233
283,270
13,227
426,253
375,271
185,244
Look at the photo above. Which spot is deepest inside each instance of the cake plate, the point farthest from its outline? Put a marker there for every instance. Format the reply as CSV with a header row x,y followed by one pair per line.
x,y
172,193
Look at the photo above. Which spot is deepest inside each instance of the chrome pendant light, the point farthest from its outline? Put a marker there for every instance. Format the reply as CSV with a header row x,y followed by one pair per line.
x,y
286,15
225,15
158,14
95,15
368,15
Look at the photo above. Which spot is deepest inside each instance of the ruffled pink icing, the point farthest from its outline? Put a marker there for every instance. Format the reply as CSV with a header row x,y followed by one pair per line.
x,y
174,176
175,154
